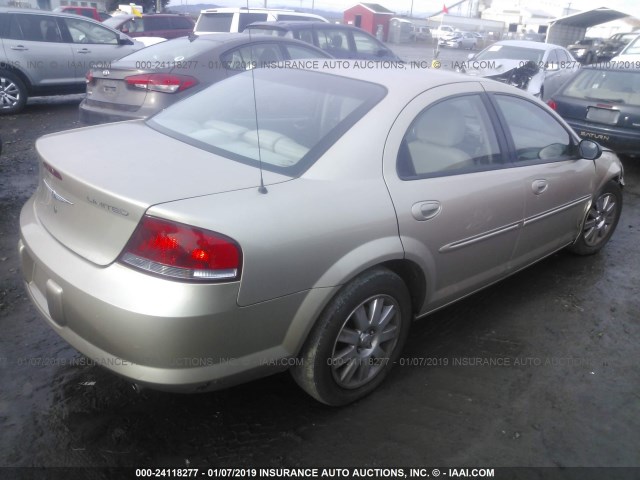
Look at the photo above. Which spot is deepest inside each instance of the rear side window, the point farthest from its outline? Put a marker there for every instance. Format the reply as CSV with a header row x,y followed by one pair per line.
x,y
247,18
251,56
181,23
333,41
156,23
451,137
35,28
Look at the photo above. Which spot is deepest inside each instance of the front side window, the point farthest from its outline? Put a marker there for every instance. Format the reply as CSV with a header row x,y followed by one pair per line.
x,y
451,137
283,120
251,56
333,41
537,136
366,44
88,32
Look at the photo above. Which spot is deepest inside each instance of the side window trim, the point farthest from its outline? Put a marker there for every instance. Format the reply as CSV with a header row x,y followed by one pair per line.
x,y
402,171
513,161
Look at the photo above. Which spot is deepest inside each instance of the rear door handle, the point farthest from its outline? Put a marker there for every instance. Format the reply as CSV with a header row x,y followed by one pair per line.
x,y
539,186
19,48
422,211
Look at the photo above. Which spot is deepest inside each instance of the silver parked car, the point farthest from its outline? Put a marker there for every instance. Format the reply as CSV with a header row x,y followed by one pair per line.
x,y
539,68
46,53
151,79
294,218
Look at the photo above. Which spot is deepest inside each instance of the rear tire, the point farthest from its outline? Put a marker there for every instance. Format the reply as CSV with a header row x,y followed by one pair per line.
x,y
600,222
356,340
13,93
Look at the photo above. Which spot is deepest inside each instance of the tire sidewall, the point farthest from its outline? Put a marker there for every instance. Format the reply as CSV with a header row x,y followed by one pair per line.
x,y
375,282
580,247
12,77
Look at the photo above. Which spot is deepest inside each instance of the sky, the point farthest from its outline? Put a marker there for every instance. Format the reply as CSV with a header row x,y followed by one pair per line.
x,y
400,6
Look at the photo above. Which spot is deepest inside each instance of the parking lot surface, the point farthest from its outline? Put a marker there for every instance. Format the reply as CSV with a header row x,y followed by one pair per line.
x,y
539,370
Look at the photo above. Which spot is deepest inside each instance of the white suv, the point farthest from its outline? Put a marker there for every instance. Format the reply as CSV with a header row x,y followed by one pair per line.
x,y
218,20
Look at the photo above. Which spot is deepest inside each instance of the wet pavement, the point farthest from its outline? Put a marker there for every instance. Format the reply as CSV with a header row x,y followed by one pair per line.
x,y
539,370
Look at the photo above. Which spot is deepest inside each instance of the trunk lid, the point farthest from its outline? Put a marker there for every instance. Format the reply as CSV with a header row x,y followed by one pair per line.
x,y
97,182
109,87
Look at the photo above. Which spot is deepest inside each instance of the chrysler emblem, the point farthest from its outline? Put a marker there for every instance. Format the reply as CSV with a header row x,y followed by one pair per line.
x,y
106,73
56,196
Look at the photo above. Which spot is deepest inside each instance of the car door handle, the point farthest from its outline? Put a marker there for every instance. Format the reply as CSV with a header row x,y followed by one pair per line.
x,y
19,48
422,211
539,186
84,50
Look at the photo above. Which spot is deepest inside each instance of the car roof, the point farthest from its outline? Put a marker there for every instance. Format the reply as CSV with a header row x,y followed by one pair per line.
x,y
231,39
300,25
395,77
35,11
528,44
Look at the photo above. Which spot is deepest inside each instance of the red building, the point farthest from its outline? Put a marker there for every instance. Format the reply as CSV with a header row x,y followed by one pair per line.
x,y
368,16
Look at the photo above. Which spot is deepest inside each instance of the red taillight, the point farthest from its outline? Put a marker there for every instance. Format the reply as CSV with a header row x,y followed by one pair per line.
x,y
552,103
89,77
181,251
161,82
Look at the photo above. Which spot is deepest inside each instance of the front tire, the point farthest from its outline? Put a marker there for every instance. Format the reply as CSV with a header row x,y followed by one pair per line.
x,y
356,340
13,93
600,222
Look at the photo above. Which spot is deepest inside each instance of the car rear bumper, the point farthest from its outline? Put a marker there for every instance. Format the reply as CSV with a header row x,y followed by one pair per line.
x,y
621,141
94,115
167,335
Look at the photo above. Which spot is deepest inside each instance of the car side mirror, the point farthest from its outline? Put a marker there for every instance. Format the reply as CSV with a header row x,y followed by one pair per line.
x,y
589,149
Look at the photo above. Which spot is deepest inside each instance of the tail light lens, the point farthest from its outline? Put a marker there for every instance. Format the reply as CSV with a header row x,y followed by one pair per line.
x,y
161,82
552,103
89,77
181,251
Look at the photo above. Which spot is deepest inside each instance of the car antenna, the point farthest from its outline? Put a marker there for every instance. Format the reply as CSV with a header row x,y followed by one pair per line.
x,y
252,64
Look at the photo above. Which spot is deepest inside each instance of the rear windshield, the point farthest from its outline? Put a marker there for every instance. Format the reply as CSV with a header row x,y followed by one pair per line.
x,y
214,22
293,118
612,86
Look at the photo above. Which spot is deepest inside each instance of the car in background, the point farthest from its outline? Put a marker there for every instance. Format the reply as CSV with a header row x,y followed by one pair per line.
x,y
160,25
339,41
156,253
602,103
585,50
151,79
47,53
420,33
614,45
481,39
459,40
630,53
220,20
89,12
538,68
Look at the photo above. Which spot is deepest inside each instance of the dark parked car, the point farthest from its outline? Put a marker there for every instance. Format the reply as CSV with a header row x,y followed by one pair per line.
x,y
339,41
614,45
603,104
140,85
162,25
585,50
